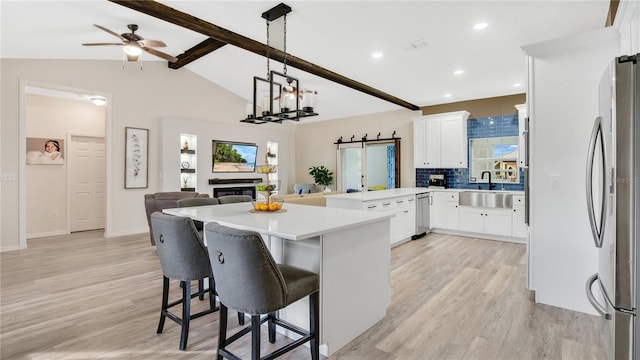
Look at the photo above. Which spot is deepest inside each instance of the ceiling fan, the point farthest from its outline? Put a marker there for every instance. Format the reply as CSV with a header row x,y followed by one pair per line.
x,y
134,44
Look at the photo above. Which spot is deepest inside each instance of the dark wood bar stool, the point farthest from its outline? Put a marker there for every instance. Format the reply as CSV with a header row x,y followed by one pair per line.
x,y
250,281
183,257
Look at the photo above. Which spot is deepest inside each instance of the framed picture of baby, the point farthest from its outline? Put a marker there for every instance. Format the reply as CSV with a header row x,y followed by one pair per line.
x,y
45,151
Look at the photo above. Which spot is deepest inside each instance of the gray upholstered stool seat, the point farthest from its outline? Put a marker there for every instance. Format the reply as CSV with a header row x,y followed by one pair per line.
x,y
183,257
229,199
249,280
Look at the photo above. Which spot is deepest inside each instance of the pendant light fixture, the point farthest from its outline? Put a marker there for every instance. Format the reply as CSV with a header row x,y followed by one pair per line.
x,y
279,95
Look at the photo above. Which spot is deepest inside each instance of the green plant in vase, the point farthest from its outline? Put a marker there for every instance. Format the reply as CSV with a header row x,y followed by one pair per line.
x,y
321,175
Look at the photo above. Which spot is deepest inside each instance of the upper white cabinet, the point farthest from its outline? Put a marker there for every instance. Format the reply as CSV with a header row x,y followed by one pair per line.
x,y
440,140
522,146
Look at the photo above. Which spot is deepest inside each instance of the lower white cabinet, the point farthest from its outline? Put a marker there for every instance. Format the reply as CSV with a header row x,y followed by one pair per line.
x,y
486,221
403,224
444,210
519,228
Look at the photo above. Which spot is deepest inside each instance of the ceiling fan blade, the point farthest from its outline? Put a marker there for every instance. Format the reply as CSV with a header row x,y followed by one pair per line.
x,y
159,54
152,43
110,32
100,44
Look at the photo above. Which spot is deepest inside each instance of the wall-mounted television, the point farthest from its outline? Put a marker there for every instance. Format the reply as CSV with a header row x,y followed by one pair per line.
x,y
233,156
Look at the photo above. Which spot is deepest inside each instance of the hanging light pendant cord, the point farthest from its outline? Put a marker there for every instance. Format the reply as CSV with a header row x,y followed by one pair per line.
x,y
285,45
268,48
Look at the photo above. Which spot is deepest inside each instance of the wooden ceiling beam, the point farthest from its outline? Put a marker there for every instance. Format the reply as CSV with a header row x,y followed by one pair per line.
x,y
166,13
197,52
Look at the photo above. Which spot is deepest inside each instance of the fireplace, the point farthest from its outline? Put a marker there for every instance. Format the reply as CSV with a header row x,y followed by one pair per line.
x,y
235,190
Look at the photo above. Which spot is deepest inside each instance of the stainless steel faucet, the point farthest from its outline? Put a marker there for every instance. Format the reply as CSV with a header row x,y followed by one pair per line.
x,y
488,173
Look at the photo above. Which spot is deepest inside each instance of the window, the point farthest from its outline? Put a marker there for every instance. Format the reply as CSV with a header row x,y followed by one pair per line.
x,y
498,155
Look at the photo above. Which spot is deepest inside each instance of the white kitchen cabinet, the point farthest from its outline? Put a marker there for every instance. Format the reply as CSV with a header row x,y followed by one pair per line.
x,y
402,204
444,210
419,144
440,140
486,221
519,228
403,225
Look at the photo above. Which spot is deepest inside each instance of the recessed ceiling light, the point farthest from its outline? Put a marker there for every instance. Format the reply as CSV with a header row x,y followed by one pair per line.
x,y
447,95
458,72
376,55
480,26
517,85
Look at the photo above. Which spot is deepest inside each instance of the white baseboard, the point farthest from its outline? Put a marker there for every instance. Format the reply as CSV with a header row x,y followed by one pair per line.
x,y
126,233
11,248
47,234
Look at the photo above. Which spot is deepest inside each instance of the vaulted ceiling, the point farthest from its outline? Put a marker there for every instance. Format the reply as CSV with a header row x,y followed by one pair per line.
x,y
422,43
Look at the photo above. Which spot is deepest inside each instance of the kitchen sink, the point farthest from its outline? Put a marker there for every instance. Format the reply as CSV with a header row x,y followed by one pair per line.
x,y
486,199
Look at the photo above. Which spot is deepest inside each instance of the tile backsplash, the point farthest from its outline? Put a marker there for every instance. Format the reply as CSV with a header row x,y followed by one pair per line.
x,y
491,126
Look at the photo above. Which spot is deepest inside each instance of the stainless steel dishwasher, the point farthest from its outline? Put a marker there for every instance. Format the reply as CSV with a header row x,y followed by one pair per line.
x,y
423,202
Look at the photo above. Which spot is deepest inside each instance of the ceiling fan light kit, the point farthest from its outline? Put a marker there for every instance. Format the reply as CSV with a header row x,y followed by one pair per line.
x,y
281,97
135,44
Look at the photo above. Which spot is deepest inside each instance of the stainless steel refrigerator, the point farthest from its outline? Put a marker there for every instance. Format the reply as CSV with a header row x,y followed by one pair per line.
x,y
613,201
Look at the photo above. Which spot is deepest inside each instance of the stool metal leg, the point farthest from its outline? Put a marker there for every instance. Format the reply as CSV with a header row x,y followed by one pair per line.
x,y
271,324
165,301
255,337
314,321
240,318
222,329
186,314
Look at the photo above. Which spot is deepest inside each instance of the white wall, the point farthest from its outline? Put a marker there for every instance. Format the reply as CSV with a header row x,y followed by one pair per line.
x,y
627,22
563,102
54,118
138,98
315,141
169,136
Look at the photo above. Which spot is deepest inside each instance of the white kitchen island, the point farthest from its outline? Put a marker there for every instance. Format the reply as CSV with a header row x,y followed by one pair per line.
x,y
349,249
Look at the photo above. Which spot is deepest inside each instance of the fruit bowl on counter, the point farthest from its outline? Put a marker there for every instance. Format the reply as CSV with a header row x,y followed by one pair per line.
x,y
267,206
266,169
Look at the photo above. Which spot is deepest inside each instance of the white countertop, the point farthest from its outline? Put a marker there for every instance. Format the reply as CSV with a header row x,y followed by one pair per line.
x,y
296,223
390,193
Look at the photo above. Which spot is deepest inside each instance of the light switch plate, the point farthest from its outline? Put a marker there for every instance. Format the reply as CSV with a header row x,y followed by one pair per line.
x,y
554,179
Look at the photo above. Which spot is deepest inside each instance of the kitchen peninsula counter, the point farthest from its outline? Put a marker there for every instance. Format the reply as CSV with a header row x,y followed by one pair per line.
x,y
349,249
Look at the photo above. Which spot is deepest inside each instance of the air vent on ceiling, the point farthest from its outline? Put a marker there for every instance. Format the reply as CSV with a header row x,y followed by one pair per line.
x,y
417,44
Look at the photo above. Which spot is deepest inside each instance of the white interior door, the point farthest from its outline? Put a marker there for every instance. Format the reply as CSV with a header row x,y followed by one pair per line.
x,y
87,176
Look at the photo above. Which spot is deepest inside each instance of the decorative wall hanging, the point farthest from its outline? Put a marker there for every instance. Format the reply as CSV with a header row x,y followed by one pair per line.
x,y
45,151
136,158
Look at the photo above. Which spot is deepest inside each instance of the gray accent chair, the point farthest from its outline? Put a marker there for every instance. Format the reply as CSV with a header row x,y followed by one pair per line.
x,y
183,257
165,200
249,280
229,199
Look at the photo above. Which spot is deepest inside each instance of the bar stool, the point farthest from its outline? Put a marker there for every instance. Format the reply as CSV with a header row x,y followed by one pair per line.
x,y
250,281
182,257
203,201
198,201
229,199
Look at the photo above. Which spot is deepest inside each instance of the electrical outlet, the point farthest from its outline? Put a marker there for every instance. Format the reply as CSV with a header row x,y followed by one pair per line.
x,y
7,177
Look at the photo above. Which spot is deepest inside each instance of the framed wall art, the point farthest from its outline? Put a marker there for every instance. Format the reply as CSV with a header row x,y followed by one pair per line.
x,y
45,151
136,162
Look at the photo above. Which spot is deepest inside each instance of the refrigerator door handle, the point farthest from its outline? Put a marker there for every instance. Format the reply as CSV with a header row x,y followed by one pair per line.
x,y
592,299
598,234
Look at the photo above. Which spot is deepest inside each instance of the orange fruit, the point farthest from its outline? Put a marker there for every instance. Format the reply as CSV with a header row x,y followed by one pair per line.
x,y
264,207
256,206
273,206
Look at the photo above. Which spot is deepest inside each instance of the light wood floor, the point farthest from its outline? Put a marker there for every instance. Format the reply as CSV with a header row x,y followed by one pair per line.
x,y
86,297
